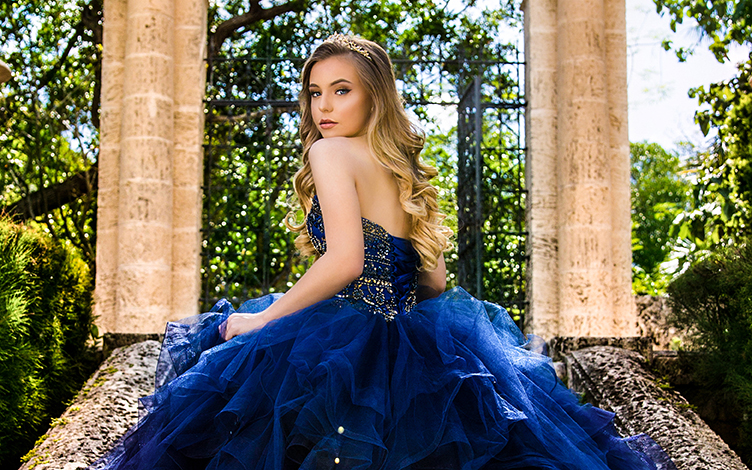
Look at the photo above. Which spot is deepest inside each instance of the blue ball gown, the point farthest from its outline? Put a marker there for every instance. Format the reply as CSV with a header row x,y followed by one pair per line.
x,y
369,379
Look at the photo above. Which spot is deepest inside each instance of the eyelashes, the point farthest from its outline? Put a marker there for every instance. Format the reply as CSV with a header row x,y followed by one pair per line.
x,y
339,91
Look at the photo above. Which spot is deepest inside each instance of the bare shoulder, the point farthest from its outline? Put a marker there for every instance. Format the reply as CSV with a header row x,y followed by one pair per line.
x,y
341,149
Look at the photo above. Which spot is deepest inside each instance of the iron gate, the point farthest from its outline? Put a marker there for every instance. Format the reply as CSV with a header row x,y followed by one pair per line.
x,y
491,197
251,153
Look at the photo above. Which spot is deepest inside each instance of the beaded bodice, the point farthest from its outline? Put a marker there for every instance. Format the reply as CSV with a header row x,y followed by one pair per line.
x,y
390,276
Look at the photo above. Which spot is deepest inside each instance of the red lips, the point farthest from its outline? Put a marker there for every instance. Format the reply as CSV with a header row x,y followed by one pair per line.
x,y
327,123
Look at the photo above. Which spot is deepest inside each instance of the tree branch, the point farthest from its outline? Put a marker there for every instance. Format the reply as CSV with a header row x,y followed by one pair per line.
x,y
91,17
255,14
50,74
47,199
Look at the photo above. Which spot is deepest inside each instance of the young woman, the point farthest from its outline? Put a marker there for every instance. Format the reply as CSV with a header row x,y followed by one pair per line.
x,y
365,363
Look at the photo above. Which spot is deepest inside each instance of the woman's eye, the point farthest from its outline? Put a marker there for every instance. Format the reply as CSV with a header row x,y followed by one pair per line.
x,y
342,91
315,94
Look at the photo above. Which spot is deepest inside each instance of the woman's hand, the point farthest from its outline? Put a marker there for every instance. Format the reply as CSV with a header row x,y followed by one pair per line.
x,y
240,323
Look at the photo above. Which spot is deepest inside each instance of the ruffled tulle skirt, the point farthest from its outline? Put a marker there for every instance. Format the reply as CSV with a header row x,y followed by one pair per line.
x,y
449,385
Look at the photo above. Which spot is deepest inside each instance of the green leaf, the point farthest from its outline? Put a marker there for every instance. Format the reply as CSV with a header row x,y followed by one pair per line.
x,y
703,119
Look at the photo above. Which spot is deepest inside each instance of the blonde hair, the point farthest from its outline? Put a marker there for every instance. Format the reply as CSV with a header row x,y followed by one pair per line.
x,y
392,138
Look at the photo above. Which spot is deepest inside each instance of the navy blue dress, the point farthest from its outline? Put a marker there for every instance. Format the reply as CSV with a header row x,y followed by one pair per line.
x,y
369,379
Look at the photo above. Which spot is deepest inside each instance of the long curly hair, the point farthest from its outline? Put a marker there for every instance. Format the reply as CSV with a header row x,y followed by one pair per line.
x,y
392,138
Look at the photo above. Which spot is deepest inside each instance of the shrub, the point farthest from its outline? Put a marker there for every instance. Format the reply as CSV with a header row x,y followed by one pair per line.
x,y
713,301
46,323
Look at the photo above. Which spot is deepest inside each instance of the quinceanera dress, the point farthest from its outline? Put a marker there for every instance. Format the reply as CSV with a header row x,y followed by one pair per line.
x,y
369,379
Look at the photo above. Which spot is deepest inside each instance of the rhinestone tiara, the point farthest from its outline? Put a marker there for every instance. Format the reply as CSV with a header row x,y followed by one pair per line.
x,y
340,38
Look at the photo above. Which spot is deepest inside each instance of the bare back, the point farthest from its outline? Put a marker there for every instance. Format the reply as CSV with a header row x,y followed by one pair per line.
x,y
378,192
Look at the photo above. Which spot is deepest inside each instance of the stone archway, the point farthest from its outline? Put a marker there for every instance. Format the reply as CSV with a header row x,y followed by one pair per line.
x,y
153,76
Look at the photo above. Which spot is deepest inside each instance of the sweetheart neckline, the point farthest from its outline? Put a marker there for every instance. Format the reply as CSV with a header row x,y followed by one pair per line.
x,y
316,198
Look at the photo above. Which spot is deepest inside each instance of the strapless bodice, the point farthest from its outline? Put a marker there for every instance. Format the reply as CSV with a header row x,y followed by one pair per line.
x,y
390,270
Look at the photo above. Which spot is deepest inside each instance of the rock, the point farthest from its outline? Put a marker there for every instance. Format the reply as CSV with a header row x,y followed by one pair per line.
x,y
112,341
615,380
561,370
674,367
652,322
101,413
560,346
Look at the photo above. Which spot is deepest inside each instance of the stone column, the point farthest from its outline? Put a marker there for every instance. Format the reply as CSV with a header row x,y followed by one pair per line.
x,y
113,59
150,163
616,64
144,284
584,222
579,280
188,157
540,167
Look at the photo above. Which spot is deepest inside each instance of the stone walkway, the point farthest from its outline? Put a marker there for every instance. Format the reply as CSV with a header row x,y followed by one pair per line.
x,y
612,378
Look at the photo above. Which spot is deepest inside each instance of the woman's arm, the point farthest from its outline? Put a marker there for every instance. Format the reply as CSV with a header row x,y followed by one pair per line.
x,y
334,178
432,284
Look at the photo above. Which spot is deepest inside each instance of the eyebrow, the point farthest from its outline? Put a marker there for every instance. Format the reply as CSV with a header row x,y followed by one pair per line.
x,y
335,82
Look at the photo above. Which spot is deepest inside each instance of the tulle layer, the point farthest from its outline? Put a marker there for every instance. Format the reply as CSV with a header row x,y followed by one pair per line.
x,y
449,385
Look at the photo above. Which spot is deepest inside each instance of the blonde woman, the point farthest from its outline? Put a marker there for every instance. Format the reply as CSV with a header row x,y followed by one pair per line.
x,y
366,363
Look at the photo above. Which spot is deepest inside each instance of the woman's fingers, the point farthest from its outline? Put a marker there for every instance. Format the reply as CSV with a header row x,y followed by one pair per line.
x,y
232,327
228,328
238,324
223,330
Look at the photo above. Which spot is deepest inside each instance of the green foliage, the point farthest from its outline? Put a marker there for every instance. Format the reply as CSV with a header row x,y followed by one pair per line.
x,y
720,212
659,195
650,283
718,215
49,112
724,22
722,174
713,302
440,151
45,325
503,189
713,298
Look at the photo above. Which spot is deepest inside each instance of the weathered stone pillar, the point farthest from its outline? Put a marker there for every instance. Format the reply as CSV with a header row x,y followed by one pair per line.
x,y
113,61
625,323
188,157
150,163
540,167
578,169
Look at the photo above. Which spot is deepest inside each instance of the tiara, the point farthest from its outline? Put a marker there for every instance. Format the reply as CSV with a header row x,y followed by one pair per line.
x,y
346,41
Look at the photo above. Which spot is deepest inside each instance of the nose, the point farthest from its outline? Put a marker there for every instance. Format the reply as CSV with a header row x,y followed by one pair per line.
x,y
324,103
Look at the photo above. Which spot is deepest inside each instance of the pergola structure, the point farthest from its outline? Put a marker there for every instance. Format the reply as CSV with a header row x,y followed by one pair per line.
x,y
150,166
